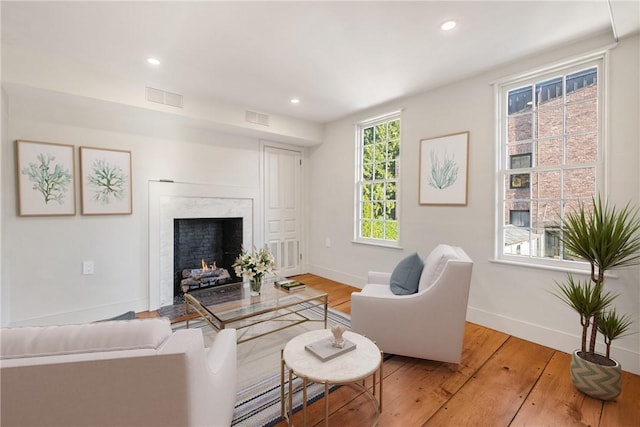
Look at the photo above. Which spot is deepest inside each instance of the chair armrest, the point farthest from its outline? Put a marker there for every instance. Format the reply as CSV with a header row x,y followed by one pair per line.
x,y
222,362
222,355
379,277
208,372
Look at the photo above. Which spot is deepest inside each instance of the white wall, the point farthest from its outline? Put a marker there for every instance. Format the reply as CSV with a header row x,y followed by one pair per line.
x,y
41,278
510,298
4,314
4,293
52,99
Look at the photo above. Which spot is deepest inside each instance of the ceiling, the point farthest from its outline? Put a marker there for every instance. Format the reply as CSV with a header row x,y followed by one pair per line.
x,y
336,57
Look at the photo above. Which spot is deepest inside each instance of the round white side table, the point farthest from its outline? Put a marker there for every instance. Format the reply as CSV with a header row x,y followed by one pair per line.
x,y
349,368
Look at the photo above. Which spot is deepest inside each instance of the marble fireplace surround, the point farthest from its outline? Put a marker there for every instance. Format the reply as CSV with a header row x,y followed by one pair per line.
x,y
168,201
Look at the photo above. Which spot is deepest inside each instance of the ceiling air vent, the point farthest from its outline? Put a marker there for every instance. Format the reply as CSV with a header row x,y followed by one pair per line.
x,y
257,118
163,97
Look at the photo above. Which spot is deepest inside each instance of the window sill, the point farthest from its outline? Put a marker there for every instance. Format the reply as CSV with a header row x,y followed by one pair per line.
x,y
564,269
382,245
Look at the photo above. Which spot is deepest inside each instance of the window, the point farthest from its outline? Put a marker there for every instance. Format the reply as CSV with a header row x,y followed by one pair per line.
x,y
377,178
519,218
549,157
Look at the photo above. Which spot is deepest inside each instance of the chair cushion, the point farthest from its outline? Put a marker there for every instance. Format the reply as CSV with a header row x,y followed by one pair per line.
x,y
406,275
371,289
434,264
36,341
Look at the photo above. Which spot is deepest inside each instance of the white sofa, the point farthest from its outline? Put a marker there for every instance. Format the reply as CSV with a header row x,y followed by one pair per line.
x,y
119,373
428,324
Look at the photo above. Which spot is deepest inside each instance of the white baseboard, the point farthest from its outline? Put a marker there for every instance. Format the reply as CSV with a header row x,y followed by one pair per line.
x,y
84,315
338,276
559,340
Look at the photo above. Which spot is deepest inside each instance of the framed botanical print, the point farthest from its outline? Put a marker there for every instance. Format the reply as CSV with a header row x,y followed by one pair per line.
x,y
443,169
105,181
46,180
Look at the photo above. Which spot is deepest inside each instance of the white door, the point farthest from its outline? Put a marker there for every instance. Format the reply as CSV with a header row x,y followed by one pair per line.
x,y
283,208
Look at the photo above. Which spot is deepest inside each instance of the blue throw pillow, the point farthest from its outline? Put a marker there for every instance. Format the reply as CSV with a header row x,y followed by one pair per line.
x,y
406,276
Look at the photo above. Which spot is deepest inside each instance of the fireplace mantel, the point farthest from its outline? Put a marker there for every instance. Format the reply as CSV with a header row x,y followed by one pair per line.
x,y
169,201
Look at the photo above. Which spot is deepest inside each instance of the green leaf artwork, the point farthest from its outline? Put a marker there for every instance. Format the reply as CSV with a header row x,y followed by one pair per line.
x,y
444,173
108,182
49,178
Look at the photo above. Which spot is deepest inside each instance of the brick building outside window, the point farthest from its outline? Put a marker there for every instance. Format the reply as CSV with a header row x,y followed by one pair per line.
x,y
549,142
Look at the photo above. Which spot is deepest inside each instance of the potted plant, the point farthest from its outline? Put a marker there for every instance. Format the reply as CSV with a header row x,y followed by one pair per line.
x,y
607,238
253,266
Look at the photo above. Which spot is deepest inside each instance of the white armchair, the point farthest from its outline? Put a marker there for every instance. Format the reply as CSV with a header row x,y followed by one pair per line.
x,y
428,324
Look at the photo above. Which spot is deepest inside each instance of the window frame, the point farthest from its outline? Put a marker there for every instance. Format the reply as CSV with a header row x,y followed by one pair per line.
x,y
503,160
359,154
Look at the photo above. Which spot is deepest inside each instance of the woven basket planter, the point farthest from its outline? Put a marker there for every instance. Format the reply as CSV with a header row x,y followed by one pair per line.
x,y
598,381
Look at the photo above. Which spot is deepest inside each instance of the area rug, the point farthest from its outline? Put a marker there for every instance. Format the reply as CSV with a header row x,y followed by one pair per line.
x,y
258,386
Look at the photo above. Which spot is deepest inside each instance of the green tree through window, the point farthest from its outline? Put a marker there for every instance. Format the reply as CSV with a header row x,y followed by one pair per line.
x,y
377,179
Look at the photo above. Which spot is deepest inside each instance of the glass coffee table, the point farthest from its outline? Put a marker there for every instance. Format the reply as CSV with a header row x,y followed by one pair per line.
x,y
274,309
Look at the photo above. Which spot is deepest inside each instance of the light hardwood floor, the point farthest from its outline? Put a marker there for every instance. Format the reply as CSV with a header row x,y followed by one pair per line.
x,y
501,381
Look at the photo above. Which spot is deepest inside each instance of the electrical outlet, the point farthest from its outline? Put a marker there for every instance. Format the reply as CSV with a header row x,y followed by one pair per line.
x,y
87,267
327,242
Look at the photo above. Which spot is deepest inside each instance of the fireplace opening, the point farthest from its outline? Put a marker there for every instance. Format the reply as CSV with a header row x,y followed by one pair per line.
x,y
204,250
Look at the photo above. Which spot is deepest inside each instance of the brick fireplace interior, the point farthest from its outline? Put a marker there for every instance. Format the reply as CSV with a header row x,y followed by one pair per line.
x,y
216,241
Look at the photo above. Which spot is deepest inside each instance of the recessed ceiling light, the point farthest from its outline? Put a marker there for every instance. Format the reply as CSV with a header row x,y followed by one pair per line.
x,y
153,61
295,101
448,25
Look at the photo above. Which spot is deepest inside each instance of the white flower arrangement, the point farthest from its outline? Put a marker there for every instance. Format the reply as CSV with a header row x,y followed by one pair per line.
x,y
253,265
